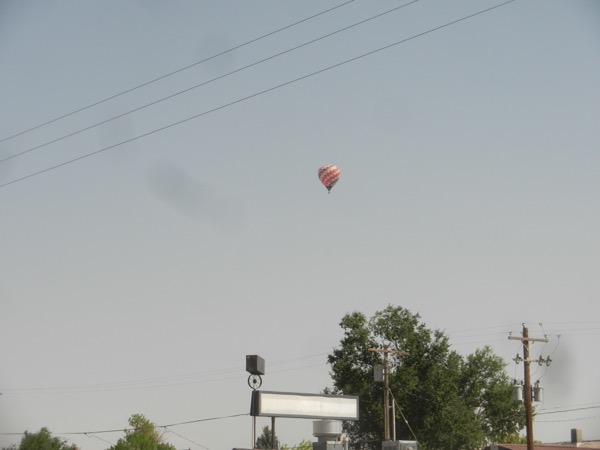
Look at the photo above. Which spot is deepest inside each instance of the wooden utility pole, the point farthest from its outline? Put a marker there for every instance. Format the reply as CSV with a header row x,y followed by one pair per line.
x,y
386,383
527,382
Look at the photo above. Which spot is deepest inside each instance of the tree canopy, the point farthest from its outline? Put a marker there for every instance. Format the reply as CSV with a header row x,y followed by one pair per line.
x,y
42,440
142,436
265,440
305,444
444,400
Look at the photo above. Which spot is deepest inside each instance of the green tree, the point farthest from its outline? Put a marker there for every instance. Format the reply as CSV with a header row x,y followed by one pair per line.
x,y
141,436
303,445
515,438
42,440
449,401
265,440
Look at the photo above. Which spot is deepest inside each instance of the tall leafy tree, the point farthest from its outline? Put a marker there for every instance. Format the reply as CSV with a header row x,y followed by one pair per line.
x,y
141,436
42,440
265,440
444,400
305,444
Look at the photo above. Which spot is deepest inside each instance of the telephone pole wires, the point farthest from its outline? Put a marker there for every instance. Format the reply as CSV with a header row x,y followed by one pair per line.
x,y
386,387
526,340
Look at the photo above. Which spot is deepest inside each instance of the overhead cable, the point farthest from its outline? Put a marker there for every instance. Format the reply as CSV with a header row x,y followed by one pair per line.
x,y
121,430
187,439
166,381
204,83
237,47
567,410
256,94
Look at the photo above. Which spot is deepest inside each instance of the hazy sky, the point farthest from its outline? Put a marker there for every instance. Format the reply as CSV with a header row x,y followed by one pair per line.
x,y
136,279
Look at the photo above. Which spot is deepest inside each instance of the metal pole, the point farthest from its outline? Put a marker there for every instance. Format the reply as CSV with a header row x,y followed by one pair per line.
x,y
527,389
394,418
253,431
386,398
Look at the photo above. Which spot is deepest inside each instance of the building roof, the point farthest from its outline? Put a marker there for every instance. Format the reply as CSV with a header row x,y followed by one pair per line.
x,y
539,446
536,446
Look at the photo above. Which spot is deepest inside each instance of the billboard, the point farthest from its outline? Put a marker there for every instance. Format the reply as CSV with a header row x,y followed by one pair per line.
x,y
309,406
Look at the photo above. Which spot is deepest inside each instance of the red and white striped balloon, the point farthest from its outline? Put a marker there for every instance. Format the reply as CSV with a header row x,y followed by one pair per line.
x,y
329,175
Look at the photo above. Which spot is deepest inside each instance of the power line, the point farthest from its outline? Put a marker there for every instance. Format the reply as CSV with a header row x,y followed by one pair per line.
x,y
256,94
567,410
100,439
568,420
296,358
478,331
189,440
237,47
121,430
143,383
209,419
174,380
204,83
204,420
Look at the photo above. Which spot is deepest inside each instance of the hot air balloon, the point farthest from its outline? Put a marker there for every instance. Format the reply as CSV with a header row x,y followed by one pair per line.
x,y
329,175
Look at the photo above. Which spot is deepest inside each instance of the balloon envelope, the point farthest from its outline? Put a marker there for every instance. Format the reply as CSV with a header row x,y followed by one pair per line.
x,y
329,175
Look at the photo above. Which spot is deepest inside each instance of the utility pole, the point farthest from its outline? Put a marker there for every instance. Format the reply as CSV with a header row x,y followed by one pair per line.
x,y
525,339
386,383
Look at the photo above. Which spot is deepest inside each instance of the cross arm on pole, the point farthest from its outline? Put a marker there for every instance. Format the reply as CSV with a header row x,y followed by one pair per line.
x,y
528,339
387,350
